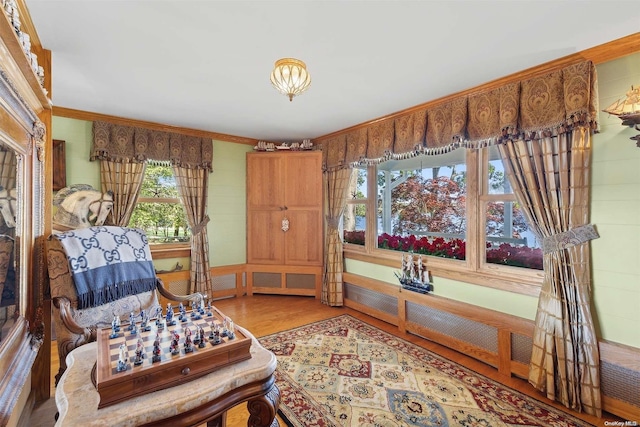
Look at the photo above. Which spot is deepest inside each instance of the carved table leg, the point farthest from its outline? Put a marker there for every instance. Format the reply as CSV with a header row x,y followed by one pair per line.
x,y
263,409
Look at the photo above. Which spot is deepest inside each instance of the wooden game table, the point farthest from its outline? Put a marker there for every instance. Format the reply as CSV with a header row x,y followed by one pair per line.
x,y
204,399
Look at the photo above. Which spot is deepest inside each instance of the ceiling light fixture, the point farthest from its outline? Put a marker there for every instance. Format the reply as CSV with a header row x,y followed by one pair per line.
x,y
290,77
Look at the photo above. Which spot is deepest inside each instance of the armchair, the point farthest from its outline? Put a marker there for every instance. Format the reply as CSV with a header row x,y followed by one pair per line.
x,y
76,326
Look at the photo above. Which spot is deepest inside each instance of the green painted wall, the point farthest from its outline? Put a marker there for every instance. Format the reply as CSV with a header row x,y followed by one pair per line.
x,y
227,204
226,197
615,210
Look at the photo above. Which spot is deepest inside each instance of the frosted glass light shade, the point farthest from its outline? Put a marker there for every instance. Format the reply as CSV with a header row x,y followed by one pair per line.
x,y
290,77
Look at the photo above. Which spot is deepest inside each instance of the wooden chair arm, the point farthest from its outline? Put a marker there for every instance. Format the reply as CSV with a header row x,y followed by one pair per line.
x,y
66,315
196,296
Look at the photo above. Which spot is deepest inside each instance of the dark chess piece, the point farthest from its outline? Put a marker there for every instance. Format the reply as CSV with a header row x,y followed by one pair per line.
x,y
156,350
201,341
188,344
175,346
216,335
137,360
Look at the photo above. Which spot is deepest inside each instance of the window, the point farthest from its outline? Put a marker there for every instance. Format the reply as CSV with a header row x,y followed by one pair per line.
x,y
508,238
458,208
159,211
354,218
422,205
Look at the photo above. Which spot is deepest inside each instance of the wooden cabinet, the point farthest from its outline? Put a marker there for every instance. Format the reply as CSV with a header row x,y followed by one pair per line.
x,y
284,222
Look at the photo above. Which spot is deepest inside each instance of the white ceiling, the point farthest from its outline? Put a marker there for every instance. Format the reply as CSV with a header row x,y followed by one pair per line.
x,y
206,64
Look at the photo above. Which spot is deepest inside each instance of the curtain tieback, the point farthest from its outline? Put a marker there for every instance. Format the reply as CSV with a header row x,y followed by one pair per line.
x,y
567,239
198,228
333,222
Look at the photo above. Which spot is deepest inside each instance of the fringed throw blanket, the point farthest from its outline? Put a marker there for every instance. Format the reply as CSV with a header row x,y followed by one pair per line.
x,y
108,263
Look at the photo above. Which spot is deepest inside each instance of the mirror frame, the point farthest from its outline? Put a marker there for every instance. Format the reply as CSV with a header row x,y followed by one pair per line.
x,y
22,99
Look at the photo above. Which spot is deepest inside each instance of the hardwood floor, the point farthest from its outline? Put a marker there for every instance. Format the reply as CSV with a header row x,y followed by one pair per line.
x,y
267,314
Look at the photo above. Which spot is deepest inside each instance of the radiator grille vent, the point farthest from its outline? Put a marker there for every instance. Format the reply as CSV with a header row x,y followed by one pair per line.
x,y
620,383
267,280
221,283
371,299
454,326
521,348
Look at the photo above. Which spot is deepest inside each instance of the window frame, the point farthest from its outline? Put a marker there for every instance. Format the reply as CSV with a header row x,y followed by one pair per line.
x,y
474,268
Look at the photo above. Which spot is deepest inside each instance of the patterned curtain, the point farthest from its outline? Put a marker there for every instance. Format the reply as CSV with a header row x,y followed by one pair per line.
x,y
549,171
551,180
124,179
337,189
192,187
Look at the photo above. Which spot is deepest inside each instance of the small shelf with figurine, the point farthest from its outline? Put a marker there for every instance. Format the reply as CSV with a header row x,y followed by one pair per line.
x,y
415,276
153,351
305,145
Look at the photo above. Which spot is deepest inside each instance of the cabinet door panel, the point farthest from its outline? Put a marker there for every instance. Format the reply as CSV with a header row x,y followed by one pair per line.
x,y
303,180
264,181
265,244
304,238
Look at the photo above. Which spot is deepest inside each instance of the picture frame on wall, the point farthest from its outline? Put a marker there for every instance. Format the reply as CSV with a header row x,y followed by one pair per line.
x,y
59,165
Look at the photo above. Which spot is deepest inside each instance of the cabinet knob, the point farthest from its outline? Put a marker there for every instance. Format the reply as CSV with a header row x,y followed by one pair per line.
x,y
186,371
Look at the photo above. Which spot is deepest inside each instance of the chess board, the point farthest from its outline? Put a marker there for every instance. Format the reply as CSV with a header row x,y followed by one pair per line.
x,y
137,378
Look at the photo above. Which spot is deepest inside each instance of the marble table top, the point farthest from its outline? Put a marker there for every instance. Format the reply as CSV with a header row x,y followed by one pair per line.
x,y
77,399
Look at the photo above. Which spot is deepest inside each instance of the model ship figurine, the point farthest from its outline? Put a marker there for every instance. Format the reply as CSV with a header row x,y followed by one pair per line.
x,y
415,276
628,110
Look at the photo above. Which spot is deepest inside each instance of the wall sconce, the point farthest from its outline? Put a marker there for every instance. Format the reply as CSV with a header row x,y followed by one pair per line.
x,y
628,110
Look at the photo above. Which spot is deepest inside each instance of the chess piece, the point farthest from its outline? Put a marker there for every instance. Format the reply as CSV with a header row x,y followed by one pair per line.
x,y
144,325
158,316
156,350
169,318
114,328
174,348
137,360
209,313
188,344
132,321
122,358
230,330
216,335
201,341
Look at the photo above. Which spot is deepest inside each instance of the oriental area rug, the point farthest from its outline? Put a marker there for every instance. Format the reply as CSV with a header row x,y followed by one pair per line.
x,y
344,372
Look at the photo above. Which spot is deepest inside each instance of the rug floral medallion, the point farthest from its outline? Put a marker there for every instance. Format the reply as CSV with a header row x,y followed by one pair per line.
x,y
344,372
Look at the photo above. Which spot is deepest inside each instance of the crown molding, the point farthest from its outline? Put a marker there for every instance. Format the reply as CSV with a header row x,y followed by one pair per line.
x,y
90,116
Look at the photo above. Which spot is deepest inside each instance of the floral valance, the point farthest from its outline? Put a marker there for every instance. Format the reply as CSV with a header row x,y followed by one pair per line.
x,y
121,143
552,102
